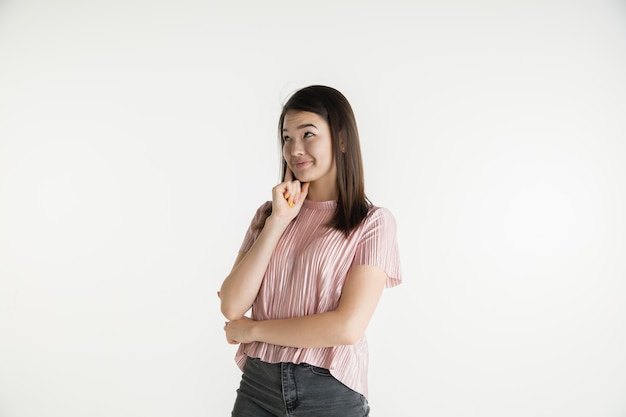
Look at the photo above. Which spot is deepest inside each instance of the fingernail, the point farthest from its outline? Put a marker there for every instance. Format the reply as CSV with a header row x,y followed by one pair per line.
x,y
286,196
291,203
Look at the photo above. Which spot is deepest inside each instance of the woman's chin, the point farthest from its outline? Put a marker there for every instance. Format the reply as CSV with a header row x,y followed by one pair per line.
x,y
306,178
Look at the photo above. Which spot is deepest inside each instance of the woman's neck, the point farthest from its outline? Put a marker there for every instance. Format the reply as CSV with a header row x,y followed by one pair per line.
x,y
322,192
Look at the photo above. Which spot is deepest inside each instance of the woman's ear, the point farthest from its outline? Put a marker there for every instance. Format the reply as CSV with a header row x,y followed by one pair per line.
x,y
342,142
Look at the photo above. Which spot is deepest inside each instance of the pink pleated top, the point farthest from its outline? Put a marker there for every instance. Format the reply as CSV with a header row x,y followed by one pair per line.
x,y
305,276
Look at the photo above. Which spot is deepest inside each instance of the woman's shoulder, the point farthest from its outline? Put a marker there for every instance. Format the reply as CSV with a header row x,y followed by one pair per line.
x,y
378,215
378,212
265,206
261,213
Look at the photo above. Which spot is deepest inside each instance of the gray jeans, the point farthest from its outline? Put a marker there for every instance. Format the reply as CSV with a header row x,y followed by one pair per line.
x,y
289,390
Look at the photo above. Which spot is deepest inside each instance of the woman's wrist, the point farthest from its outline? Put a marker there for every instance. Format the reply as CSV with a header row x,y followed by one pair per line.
x,y
253,331
277,222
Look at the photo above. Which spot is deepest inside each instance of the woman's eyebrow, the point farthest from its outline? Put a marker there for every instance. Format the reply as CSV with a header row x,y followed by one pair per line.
x,y
302,126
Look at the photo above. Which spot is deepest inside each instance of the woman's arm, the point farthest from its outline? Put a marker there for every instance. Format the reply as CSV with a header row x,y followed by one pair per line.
x,y
241,286
343,326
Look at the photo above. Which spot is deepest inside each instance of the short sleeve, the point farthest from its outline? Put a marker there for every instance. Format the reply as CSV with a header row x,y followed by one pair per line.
x,y
378,245
253,232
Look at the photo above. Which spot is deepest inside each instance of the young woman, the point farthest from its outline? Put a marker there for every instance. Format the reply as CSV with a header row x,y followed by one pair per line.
x,y
312,267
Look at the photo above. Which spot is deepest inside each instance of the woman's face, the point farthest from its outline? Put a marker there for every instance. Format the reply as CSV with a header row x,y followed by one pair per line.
x,y
308,150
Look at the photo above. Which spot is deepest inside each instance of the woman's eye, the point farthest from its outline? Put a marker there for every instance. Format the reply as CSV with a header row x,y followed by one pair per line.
x,y
308,134
286,138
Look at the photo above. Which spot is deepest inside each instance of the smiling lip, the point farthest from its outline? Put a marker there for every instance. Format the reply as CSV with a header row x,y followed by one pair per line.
x,y
302,164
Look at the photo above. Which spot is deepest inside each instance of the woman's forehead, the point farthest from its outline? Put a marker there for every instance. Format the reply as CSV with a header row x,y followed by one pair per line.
x,y
296,119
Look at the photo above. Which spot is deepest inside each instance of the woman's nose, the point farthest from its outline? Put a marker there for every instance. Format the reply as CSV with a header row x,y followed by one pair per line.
x,y
297,148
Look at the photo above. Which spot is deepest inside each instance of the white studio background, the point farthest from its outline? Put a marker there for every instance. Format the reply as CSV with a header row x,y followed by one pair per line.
x,y
137,138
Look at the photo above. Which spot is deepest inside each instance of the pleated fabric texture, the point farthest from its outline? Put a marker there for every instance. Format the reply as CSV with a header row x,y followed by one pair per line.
x,y
305,276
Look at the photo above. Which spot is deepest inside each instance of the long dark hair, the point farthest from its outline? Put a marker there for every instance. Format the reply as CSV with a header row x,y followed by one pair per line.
x,y
352,203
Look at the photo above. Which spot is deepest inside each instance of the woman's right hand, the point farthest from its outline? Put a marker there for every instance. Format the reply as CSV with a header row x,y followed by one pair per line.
x,y
288,197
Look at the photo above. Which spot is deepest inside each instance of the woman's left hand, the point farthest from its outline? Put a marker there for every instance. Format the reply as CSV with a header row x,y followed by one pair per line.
x,y
238,331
